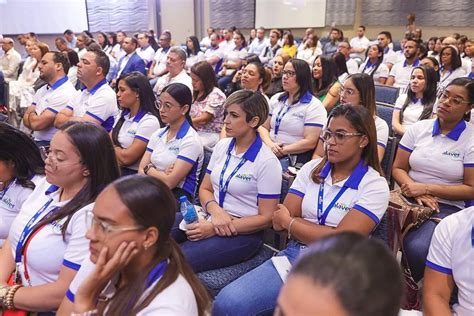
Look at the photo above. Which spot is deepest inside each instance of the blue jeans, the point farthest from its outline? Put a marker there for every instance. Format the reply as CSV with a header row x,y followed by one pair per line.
x,y
417,242
256,292
224,81
216,252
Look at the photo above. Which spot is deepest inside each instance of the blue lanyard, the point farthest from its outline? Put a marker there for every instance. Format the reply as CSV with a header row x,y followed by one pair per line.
x,y
156,273
224,186
280,116
472,236
322,216
29,227
2,194
369,65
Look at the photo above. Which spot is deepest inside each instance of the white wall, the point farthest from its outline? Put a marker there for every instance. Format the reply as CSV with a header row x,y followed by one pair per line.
x,y
177,16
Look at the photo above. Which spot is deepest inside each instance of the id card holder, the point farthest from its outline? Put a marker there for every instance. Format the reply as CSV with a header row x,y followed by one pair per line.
x,y
17,279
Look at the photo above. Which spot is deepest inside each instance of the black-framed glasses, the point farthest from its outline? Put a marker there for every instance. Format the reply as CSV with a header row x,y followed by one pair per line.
x,y
288,73
339,137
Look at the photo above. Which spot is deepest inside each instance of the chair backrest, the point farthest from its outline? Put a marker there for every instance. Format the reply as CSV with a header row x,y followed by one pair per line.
x,y
386,95
205,163
385,113
388,158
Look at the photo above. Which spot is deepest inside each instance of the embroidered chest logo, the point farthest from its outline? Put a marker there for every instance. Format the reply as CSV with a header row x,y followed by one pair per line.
x,y
244,177
8,202
132,132
298,115
174,149
57,225
451,154
342,207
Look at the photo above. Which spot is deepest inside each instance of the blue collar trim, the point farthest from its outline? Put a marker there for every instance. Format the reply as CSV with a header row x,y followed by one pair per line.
x,y
138,117
183,130
58,83
416,62
454,134
52,188
305,99
252,151
356,176
97,86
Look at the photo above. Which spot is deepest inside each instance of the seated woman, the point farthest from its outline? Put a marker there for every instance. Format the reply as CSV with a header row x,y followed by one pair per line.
x,y
73,61
233,60
326,87
21,91
50,227
342,72
418,103
374,65
434,165
310,49
174,154
344,191
138,121
253,77
193,52
276,84
338,275
449,264
207,110
296,117
240,190
433,63
21,167
289,46
131,250
451,67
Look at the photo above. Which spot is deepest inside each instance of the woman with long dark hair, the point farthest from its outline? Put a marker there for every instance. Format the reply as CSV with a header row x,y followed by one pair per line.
x,y
326,87
46,244
343,191
138,121
21,167
134,264
193,52
417,103
174,154
207,110
374,65
451,66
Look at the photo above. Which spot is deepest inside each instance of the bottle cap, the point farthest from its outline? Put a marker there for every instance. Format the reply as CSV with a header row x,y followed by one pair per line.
x,y
183,198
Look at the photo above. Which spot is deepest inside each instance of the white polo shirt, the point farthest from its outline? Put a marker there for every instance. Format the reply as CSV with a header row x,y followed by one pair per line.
x,y
177,299
52,98
412,112
100,102
293,118
381,127
11,200
367,68
445,79
258,177
436,158
366,191
186,146
402,72
215,52
452,253
160,60
389,56
47,251
359,42
146,54
141,127
166,80
352,66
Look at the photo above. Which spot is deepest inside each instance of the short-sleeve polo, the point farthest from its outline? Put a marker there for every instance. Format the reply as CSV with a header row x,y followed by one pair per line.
x,y
436,158
368,68
401,71
287,122
412,112
52,98
366,191
452,252
141,127
100,103
258,177
69,252
382,130
186,146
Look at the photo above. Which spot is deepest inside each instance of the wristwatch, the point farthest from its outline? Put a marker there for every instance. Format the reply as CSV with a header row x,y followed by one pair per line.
x,y
147,168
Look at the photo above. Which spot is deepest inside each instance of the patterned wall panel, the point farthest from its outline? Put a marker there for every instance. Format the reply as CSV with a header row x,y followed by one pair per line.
x,y
114,15
341,12
238,13
428,13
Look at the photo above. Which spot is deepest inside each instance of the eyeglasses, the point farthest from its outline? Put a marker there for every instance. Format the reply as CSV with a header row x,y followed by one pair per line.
x,y
339,137
444,97
53,159
106,228
347,91
288,73
164,106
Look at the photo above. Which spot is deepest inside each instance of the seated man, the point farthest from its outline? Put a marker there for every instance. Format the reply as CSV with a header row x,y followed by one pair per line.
x,y
175,66
145,51
49,99
98,102
130,62
214,54
401,72
158,66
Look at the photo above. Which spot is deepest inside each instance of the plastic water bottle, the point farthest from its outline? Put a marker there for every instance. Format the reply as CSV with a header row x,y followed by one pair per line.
x,y
187,210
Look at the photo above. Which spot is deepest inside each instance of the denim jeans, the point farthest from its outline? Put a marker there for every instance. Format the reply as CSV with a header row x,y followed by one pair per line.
x,y
216,252
417,242
256,292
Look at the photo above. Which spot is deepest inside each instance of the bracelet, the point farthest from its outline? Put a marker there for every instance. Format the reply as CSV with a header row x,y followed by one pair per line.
x,y
3,293
92,312
8,303
207,203
289,227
